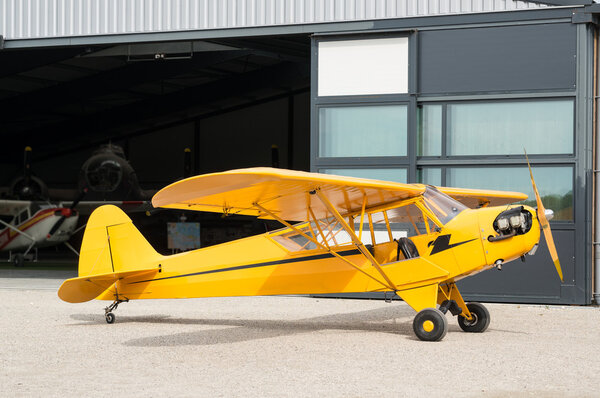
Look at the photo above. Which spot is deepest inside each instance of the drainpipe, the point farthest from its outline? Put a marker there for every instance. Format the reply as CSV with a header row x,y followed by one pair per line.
x,y
596,287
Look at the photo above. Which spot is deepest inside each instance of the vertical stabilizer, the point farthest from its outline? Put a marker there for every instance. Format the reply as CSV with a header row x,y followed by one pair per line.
x,y
111,243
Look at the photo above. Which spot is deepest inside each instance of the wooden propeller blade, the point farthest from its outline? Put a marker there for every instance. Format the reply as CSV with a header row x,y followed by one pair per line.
x,y
541,213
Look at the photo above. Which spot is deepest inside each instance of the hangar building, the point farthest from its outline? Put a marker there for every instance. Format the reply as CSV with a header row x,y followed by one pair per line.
x,y
446,92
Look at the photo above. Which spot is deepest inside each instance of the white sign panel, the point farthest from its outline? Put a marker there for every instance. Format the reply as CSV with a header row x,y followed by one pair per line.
x,y
363,67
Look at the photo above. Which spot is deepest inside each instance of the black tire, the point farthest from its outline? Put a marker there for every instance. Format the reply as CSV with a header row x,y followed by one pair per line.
x,y
19,260
481,319
110,318
430,324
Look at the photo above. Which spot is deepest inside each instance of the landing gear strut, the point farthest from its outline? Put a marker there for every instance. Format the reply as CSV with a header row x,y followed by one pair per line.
x,y
110,317
480,319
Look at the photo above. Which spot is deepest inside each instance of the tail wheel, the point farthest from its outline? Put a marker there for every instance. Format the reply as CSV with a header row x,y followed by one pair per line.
x,y
110,317
480,321
430,324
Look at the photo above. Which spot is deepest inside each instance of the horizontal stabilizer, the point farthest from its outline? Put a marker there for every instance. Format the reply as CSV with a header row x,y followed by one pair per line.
x,y
86,288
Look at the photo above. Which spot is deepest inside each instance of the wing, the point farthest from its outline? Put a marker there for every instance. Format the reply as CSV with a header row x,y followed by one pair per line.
x,y
286,193
13,207
474,198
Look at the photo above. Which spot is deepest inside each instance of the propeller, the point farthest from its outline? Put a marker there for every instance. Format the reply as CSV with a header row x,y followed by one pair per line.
x,y
27,186
544,224
66,213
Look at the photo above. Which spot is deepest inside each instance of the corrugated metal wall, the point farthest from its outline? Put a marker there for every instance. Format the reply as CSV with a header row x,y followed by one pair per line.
x,y
22,19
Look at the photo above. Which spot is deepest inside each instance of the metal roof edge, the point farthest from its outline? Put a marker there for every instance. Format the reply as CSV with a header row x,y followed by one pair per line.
x,y
493,17
563,2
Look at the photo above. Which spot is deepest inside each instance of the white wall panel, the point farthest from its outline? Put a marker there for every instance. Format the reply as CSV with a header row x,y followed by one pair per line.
x,y
363,67
23,19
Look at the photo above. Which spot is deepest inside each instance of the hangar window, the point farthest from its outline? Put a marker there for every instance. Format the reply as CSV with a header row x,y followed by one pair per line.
x,y
504,128
430,175
388,174
358,131
555,184
496,128
429,126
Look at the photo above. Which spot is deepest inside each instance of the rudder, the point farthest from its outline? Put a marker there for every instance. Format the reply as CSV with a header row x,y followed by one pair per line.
x,y
111,243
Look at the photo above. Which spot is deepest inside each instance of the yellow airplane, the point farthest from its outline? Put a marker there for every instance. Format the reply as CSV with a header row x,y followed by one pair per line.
x,y
339,236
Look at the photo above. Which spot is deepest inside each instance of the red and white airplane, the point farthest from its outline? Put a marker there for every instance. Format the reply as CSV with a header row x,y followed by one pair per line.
x,y
25,225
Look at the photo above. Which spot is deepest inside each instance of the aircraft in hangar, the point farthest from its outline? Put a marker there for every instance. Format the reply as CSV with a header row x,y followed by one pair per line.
x,y
32,220
26,226
455,233
106,175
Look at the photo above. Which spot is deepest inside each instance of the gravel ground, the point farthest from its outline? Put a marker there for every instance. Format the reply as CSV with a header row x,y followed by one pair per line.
x,y
285,346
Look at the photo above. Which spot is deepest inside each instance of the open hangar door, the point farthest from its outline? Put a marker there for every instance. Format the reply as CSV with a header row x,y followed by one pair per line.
x,y
233,102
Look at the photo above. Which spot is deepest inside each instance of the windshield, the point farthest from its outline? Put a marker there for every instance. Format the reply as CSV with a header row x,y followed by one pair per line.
x,y
443,206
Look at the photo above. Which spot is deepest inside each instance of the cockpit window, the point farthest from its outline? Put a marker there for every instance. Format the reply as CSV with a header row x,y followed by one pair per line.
x,y
408,219
443,206
7,219
328,232
411,219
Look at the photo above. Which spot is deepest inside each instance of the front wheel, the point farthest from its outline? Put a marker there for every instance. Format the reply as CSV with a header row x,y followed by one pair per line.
x,y
480,321
430,324
19,260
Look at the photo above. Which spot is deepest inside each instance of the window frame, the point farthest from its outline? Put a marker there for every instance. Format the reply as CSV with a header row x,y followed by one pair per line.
x,y
444,162
444,131
399,160
359,37
409,99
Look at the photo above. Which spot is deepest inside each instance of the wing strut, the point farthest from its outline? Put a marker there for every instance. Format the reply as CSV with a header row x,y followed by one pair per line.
x,y
319,228
316,242
19,232
355,238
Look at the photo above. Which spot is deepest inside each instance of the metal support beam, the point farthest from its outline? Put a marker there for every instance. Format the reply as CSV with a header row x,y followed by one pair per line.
x,y
596,210
290,135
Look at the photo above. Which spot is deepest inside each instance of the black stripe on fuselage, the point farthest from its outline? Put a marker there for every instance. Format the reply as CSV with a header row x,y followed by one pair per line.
x,y
265,264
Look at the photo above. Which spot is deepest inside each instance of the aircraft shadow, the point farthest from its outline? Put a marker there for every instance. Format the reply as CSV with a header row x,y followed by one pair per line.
x,y
393,320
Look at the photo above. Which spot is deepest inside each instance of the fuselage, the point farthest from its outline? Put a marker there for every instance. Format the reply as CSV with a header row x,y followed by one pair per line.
x,y
277,262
